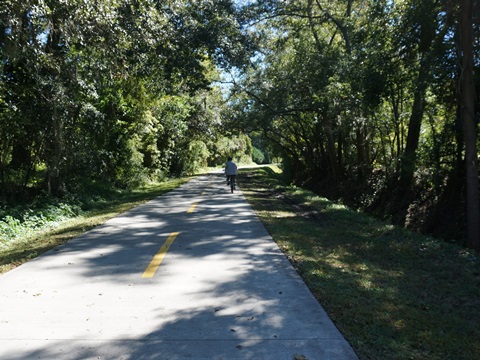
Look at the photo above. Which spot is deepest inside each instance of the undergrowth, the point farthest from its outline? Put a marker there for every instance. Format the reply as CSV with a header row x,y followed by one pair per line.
x,y
44,212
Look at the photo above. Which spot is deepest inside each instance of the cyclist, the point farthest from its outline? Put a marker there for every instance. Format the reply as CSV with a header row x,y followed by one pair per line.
x,y
230,170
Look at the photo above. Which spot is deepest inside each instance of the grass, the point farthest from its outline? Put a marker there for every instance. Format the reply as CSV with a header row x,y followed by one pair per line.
x,y
392,293
32,241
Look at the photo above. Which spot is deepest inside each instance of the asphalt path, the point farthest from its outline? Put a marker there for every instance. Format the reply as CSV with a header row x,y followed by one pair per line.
x,y
192,274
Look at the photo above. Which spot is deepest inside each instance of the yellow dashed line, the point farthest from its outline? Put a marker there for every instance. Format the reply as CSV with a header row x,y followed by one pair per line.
x,y
194,205
158,258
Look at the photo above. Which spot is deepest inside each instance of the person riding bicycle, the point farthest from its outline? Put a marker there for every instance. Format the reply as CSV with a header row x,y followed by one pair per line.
x,y
230,169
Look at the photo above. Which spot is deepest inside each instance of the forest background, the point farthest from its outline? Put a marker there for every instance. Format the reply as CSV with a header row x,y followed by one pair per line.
x,y
368,102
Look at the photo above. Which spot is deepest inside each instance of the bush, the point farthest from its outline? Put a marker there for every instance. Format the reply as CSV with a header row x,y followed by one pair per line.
x,y
193,157
238,147
43,212
258,156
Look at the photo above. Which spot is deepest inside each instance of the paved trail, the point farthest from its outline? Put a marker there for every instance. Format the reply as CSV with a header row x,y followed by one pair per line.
x,y
192,274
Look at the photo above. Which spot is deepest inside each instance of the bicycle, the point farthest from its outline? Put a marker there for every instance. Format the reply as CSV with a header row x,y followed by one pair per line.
x,y
232,182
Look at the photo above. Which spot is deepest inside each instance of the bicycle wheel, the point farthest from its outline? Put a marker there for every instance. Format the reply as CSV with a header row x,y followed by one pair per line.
x,y
232,183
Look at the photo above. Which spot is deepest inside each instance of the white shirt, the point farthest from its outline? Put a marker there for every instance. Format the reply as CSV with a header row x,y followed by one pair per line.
x,y
230,168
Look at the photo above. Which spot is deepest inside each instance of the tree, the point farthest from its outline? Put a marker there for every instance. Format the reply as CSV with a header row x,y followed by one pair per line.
x,y
421,19
88,89
362,93
469,125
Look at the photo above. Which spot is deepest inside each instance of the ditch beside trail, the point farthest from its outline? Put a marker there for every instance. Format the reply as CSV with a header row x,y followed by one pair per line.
x,y
191,274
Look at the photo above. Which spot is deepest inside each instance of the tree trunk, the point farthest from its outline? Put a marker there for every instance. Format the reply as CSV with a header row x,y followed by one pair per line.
x,y
414,126
402,198
402,195
469,126
331,148
396,147
55,183
360,144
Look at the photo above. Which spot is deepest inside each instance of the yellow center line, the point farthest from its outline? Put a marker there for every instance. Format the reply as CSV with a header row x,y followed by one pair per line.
x,y
194,205
158,258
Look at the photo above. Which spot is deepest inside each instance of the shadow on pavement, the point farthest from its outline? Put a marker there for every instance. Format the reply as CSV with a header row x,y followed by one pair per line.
x,y
223,291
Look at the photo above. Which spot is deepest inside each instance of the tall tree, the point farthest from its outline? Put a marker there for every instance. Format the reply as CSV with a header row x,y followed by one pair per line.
x,y
421,25
469,125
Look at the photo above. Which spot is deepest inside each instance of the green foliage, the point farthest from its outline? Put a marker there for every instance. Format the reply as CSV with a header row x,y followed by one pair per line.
x,y
193,157
361,101
43,213
258,156
113,95
239,147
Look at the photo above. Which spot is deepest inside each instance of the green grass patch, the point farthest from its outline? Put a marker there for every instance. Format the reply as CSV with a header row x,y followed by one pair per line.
x,y
392,293
28,231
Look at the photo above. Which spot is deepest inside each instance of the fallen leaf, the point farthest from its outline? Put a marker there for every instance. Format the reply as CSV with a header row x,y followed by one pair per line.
x,y
299,357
